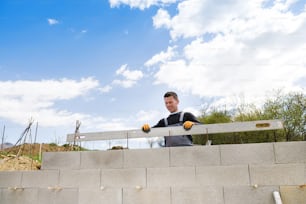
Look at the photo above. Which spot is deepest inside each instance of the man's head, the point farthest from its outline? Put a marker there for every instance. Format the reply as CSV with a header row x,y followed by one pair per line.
x,y
171,101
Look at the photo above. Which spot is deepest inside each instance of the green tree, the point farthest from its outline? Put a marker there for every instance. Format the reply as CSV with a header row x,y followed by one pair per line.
x,y
291,108
249,112
215,116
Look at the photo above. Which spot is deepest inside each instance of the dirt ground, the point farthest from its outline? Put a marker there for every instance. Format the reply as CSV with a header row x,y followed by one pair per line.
x,y
28,156
14,163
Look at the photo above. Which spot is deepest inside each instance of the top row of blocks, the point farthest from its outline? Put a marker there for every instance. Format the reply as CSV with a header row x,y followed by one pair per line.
x,y
259,153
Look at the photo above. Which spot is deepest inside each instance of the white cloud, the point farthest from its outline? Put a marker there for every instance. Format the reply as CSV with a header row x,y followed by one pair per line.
x,y
162,19
148,116
124,83
237,47
22,100
106,89
52,21
111,125
130,76
161,57
141,4
197,17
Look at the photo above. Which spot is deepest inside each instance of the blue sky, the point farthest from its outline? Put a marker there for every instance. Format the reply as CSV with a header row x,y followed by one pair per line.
x,y
108,63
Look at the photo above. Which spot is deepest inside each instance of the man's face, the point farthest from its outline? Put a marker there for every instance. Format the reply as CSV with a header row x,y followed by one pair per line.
x,y
171,104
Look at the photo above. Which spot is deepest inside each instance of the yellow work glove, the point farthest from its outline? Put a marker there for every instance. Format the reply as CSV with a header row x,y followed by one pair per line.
x,y
188,125
146,128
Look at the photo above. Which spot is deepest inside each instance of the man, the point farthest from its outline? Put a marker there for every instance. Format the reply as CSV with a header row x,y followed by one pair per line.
x,y
176,118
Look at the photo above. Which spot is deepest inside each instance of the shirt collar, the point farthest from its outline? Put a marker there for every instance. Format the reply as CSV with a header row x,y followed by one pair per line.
x,y
175,112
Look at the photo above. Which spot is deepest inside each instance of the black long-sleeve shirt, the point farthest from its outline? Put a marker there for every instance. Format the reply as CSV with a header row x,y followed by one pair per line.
x,y
176,119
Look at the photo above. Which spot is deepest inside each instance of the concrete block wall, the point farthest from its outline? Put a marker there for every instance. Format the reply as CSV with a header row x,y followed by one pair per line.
x,y
221,174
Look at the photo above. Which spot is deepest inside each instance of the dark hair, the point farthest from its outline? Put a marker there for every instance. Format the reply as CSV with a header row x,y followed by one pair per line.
x,y
171,93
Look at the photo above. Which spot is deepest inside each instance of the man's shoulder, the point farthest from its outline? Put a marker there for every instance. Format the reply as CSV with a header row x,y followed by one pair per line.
x,y
175,114
187,113
181,114
190,116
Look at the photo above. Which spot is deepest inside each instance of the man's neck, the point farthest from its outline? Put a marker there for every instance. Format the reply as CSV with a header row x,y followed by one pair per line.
x,y
175,112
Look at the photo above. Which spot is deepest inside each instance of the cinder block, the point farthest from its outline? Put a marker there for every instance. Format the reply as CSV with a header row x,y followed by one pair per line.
x,y
61,160
249,195
173,176
80,178
63,196
247,154
40,178
223,175
10,178
101,159
19,196
293,194
146,158
67,196
305,174
290,152
277,174
208,194
123,177
146,195
195,156
100,196
46,196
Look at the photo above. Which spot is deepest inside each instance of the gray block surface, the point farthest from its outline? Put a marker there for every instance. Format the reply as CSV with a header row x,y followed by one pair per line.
x,y
173,176
247,154
249,195
46,196
305,174
146,158
121,178
85,178
10,178
40,178
63,196
25,196
100,196
102,159
223,175
146,196
195,156
207,194
61,160
277,174
290,152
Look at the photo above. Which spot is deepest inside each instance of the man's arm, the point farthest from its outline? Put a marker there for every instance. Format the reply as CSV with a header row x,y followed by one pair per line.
x,y
160,123
190,117
147,128
189,120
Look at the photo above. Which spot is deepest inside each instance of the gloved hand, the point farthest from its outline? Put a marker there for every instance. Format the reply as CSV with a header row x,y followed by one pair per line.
x,y
146,128
188,125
